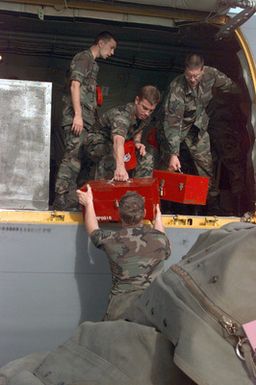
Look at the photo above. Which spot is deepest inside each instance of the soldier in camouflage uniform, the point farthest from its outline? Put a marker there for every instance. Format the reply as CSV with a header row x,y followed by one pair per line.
x,y
107,138
185,117
136,252
79,113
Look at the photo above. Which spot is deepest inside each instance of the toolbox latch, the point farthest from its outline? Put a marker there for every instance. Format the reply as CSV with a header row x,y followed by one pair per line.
x,y
161,187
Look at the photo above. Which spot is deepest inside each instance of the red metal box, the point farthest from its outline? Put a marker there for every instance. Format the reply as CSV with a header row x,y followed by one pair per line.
x,y
107,194
182,188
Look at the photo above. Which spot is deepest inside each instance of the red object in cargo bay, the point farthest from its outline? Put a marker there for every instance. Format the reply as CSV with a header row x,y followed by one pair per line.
x,y
99,96
107,194
182,188
130,160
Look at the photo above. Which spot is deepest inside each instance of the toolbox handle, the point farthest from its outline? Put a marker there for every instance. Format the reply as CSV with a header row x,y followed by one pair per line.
x,y
118,181
161,187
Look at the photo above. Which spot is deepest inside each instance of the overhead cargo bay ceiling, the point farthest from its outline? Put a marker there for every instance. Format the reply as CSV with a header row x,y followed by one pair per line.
x,y
106,9
197,5
63,37
217,6
67,31
162,12
40,27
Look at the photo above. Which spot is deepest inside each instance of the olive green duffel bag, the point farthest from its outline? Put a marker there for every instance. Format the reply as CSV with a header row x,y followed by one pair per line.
x,y
201,303
100,353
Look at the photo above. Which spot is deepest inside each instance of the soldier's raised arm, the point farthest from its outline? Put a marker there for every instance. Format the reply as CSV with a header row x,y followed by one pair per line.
x,y
86,200
158,224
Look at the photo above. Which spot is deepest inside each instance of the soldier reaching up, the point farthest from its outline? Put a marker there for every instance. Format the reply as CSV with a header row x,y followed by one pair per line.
x,y
136,252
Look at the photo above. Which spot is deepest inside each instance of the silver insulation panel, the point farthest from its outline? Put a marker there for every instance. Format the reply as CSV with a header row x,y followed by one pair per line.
x,y
25,124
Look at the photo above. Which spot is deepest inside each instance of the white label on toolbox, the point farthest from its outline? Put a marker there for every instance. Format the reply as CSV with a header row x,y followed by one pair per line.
x,y
104,218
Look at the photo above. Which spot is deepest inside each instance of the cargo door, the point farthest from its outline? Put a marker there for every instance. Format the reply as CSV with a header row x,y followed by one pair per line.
x,y
38,40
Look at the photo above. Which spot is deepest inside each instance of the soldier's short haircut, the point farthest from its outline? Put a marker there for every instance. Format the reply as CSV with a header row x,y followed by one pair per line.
x,y
131,208
150,93
105,35
193,61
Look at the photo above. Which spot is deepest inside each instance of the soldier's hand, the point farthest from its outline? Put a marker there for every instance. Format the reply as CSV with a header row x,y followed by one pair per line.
x,y
174,163
85,198
77,125
158,224
141,148
121,174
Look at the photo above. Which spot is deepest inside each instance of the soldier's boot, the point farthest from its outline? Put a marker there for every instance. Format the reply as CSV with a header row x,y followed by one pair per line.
x,y
60,202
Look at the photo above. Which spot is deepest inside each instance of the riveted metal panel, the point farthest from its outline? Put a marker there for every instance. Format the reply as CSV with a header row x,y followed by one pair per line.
x,y
25,121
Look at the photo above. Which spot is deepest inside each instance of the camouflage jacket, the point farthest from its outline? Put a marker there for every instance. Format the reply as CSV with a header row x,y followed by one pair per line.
x,y
84,69
185,106
121,121
136,255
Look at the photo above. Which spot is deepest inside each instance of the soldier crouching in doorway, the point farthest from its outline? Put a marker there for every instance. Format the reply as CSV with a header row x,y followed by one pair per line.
x,y
109,135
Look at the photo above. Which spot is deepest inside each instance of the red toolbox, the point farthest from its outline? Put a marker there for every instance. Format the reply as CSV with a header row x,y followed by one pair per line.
x,y
107,194
182,188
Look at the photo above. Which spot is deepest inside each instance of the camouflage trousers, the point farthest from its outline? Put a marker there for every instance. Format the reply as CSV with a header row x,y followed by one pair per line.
x,y
100,151
71,163
198,145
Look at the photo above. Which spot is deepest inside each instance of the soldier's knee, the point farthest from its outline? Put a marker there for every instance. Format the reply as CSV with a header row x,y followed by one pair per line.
x,y
96,152
61,186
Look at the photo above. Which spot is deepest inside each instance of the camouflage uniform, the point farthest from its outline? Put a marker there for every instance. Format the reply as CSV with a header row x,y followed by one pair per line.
x,y
84,69
136,256
186,120
116,121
